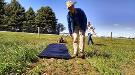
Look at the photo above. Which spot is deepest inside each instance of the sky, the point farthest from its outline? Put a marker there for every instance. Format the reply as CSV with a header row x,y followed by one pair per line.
x,y
116,16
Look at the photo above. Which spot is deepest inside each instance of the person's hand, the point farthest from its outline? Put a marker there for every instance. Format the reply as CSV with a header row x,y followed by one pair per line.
x,y
94,33
70,35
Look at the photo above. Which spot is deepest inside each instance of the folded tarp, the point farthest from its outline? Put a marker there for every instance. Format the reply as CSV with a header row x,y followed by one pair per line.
x,y
59,51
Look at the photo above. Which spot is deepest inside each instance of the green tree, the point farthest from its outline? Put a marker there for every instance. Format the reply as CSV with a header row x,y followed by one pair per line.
x,y
59,28
1,13
14,16
46,20
29,25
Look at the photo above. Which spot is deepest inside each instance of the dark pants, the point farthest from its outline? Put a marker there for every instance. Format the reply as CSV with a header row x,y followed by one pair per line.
x,y
90,39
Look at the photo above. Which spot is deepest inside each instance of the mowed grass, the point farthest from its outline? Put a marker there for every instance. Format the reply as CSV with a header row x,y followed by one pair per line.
x,y
18,55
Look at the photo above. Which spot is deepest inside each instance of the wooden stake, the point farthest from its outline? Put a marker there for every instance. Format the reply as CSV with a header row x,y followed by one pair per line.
x,y
38,31
111,35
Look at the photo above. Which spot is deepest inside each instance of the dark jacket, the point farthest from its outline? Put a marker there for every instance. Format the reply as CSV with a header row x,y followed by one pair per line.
x,y
79,18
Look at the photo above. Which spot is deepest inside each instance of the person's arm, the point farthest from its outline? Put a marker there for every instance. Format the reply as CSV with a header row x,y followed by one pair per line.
x,y
93,31
69,25
84,18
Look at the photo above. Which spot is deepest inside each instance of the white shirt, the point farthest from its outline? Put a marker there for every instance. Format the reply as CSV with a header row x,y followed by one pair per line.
x,y
91,29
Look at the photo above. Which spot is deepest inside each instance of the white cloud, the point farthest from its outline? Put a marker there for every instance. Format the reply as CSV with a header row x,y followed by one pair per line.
x,y
116,24
128,28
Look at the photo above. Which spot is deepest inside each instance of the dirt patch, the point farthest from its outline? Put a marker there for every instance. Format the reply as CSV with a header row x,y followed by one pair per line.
x,y
75,66
128,68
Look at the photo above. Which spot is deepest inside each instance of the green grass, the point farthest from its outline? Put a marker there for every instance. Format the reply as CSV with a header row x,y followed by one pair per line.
x,y
18,55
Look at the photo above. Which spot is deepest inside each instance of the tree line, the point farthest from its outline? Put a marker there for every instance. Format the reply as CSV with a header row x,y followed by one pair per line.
x,y
13,17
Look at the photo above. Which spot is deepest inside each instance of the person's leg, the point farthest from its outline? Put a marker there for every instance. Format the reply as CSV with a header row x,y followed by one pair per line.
x,y
88,38
75,41
82,43
91,39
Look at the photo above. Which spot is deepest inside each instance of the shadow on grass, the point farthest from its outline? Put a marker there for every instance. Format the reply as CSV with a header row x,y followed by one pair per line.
x,y
35,60
100,44
98,53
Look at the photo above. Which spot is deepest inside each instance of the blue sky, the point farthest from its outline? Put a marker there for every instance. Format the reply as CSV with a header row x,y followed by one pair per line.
x,y
117,16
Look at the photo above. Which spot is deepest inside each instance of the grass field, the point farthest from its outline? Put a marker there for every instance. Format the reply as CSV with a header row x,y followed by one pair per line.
x,y
18,56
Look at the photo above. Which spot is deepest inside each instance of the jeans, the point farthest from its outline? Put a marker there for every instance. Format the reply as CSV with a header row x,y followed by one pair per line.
x,y
90,39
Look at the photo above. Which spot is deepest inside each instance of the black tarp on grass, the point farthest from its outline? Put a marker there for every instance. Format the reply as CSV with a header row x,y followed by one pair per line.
x,y
59,51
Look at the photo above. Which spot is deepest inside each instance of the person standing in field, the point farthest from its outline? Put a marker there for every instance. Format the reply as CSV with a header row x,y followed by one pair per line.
x,y
90,33
77,25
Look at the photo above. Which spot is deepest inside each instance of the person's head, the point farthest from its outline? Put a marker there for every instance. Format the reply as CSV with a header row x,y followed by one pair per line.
x,y
89,24
70,5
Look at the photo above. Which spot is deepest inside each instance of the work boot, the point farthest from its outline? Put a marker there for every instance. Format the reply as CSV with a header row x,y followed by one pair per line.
x,y
82,55
74,55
